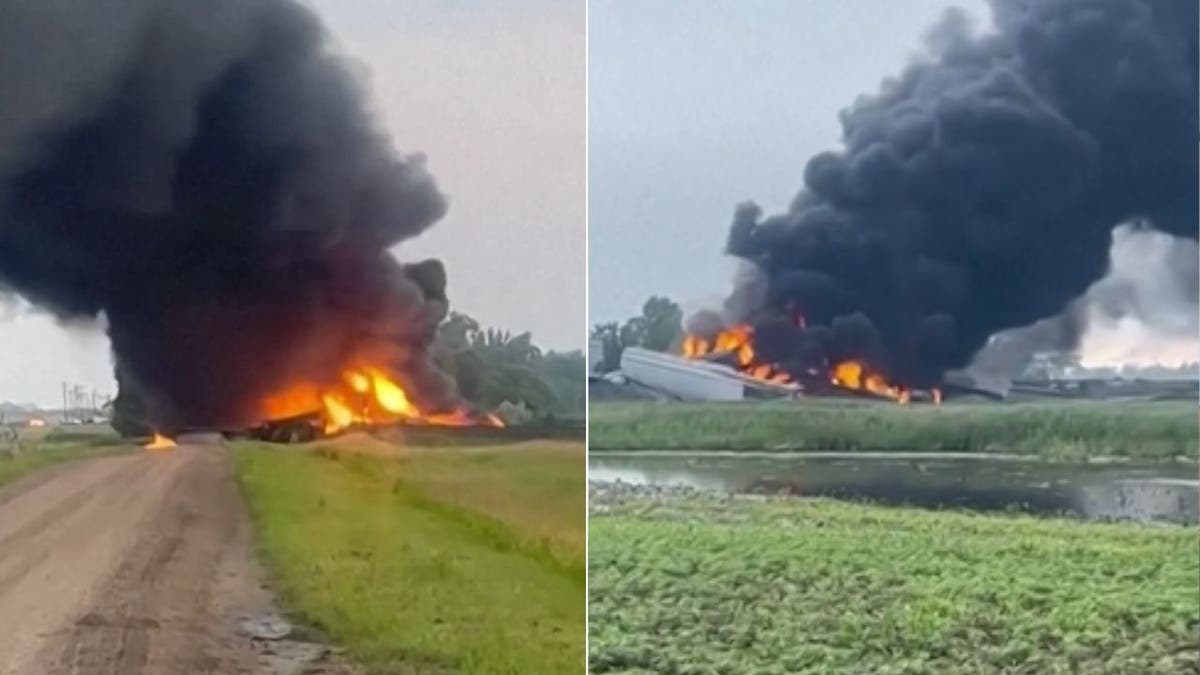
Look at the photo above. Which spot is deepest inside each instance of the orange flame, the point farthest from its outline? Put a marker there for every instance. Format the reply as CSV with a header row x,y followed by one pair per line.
x,y
358,382
368,395
298,399
849,375
392,397
737,340
160,442
37,422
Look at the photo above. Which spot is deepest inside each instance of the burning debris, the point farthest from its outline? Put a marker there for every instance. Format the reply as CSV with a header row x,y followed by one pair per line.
x,y
366,396
734,347
159,442
207,179
974,193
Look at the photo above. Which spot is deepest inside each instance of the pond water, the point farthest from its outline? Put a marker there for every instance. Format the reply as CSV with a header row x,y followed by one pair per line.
x,y
1101,491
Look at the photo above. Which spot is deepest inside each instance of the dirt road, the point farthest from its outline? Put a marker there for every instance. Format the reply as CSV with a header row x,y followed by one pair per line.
x,y
128,565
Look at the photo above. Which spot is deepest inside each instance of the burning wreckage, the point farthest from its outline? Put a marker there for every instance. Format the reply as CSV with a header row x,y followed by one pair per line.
x,y
975,193
220,197
735,347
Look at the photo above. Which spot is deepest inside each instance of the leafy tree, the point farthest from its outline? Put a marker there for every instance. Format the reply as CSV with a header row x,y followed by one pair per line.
x,y
457,331
492,366
566,373
662,322
658,327
609,335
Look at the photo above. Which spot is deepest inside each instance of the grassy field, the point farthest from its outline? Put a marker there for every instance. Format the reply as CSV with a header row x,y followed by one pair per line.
x,y
456,560
1065,430
33,449
720,586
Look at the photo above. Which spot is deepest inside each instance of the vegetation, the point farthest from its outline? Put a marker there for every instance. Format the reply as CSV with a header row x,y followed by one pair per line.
x,y
14,466
493,367
714,585
23,451
467,560
1068,430
658,328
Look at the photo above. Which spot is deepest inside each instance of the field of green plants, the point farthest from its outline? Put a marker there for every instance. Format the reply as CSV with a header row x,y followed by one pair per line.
x,y
688,583
1056,430
451,559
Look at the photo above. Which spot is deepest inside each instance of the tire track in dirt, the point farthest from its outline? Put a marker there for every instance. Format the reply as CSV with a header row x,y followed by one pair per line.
x,y
132,565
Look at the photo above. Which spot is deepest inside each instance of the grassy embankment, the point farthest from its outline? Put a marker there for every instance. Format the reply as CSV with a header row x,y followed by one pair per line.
x,y
709,585
37,448
1056,430
465,560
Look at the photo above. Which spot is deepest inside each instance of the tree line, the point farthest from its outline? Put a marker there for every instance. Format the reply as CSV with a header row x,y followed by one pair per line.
x,y
495,367
658,327
495,370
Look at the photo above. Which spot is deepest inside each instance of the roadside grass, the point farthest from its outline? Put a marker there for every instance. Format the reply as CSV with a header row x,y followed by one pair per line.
x,y
1058,430
455,560
32,452
730,586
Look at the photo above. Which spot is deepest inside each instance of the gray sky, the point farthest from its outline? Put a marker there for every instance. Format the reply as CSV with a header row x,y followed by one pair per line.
x,y
691,112
494,95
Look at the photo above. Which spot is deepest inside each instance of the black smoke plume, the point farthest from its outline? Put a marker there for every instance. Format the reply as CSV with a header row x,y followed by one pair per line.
x,y
1153,280
207,177
979,189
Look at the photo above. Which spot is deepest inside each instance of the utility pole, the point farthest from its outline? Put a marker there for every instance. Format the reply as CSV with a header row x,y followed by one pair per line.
x,y
64,396
79,401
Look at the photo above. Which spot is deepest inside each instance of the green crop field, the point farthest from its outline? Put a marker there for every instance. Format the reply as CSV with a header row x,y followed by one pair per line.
x,y
697,584
1057,430
466,560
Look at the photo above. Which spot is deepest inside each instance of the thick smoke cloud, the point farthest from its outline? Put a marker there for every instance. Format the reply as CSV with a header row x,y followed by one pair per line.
x,y
1148,299
207,177
978,190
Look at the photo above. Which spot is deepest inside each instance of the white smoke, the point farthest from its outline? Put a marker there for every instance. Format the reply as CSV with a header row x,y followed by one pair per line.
x,y
1145,311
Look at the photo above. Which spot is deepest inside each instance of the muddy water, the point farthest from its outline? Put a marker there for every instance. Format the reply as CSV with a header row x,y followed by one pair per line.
x,y
1114,491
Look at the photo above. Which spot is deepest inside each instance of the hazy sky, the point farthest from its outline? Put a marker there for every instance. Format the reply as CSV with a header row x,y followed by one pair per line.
x,y
494,95
691,112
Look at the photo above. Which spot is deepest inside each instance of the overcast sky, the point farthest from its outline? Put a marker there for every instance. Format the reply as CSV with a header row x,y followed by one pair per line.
x,y
494,95
691,112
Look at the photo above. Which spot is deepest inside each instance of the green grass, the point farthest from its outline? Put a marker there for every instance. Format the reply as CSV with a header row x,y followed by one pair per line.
x,y
455,560
1068,431
16,461
704,585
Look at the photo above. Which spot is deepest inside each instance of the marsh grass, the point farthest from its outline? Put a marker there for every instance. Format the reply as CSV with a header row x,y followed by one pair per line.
x,y
730,586
463,560
1059,430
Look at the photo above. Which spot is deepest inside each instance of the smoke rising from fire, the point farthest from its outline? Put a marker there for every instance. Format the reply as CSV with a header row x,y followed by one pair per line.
x,y
207,177
978,190
1143,312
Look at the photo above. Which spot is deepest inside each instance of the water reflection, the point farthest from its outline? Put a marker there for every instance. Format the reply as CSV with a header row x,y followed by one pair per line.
x,y
1147,492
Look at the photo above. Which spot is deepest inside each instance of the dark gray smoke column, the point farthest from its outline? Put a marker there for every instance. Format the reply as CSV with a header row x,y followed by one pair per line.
x,y
978,190
207,177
